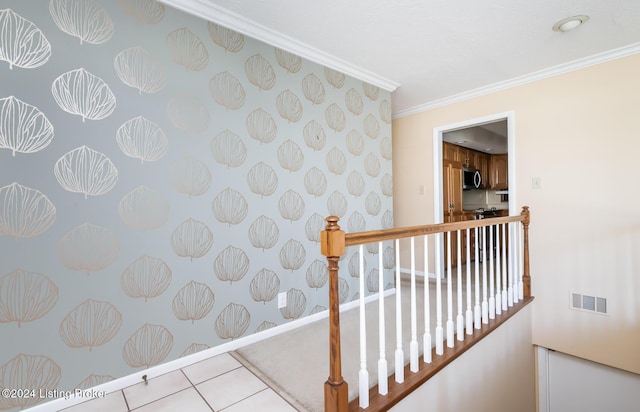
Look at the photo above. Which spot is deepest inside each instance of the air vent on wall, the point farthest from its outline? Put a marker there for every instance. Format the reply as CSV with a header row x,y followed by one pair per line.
x,y
588,303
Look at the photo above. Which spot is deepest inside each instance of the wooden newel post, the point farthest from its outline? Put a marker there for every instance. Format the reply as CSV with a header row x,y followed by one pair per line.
x,y
332,245
526,277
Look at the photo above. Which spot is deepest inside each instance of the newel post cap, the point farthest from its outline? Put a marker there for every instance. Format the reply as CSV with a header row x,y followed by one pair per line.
x,y
332,239
526,214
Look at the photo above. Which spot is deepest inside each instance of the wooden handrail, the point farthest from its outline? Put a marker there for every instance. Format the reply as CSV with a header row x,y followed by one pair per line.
x,y
333,243
360,238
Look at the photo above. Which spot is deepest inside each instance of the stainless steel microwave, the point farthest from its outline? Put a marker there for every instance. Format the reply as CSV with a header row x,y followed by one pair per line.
x,y
471,179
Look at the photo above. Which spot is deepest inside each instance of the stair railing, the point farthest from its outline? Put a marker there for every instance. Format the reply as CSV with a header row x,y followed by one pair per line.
x,y
502,277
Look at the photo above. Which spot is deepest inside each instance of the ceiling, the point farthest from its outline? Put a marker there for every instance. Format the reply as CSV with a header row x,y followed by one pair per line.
x,y
490,138
434,51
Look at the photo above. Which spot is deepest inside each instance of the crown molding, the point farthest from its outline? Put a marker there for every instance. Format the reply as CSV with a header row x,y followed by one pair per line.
x,y
212,12
603,57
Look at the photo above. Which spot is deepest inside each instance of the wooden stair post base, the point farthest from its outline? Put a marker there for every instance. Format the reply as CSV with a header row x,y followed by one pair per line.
x,y
336,397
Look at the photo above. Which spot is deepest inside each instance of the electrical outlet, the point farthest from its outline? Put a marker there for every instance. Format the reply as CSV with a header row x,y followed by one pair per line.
x,y
282,300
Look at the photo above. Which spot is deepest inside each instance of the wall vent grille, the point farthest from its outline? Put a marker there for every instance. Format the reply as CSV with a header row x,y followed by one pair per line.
x,y
588,303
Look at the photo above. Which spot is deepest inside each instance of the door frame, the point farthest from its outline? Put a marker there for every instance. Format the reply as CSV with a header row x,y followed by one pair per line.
x,y
509,116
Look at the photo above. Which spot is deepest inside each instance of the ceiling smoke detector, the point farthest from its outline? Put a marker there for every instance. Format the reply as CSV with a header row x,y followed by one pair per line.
x,y
570,23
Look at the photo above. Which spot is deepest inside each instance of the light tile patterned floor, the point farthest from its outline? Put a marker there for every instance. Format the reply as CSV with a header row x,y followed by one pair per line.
x,y
220,383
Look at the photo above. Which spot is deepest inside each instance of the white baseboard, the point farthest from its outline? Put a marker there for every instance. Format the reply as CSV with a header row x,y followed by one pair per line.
x,y
419,273
135,378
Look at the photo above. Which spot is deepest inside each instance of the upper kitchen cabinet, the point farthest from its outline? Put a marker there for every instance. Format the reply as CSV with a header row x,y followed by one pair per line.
x,y
452,153
459,156
499,172
481,162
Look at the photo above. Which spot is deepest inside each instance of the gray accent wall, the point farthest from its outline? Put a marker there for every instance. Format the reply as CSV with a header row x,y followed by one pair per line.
x,y
162,178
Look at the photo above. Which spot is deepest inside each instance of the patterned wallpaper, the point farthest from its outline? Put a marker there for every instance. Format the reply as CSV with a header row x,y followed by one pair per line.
x,y
162,179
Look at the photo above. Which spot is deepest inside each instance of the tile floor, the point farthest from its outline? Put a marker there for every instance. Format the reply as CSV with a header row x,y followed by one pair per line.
x,y
220,383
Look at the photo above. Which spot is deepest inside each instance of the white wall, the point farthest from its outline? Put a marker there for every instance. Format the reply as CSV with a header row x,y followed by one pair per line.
x,y
568,383
578,133
497,375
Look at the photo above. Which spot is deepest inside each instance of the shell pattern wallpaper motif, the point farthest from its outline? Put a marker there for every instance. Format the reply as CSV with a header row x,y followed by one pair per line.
x,y
88,247
26,296
24,212
90,324
139,68
84,94
144,11
84,19
233,321
264,233
148,346
190,176
260,72
261,126
265,286
194,301
192,239
144,208
147,277
23,44
228,149
142,139
162,179
36,372
186,49
23,128
87,171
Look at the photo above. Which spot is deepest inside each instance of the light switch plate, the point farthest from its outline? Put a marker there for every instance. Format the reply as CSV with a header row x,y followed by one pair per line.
x,y
536,183
282,300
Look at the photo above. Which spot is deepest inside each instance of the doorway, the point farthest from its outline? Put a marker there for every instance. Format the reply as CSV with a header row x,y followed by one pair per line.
x,y
500,125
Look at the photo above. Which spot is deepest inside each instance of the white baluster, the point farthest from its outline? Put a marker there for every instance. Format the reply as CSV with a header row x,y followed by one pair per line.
x,y
492,300
399,352
505,268
460,318
427,310
364,374
382,361
469,313
449,295
512,252
413,345
439,330
485,303
476,309
498,300
521,261
516,261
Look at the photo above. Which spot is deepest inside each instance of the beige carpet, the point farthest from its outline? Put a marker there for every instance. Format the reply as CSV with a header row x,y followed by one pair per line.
x,y
296,362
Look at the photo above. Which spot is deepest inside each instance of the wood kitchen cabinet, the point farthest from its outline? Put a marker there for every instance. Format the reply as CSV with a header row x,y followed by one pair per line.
x,y
451,153
499,172
465,156
452,200
481,162
463,244
470,158
451,192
